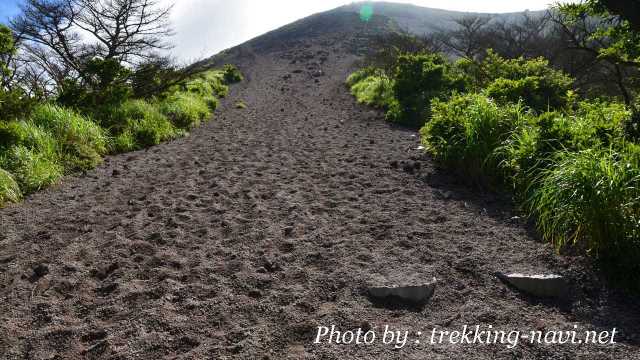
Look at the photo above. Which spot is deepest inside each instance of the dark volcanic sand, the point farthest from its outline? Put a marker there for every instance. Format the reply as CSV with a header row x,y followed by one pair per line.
x,y
238,241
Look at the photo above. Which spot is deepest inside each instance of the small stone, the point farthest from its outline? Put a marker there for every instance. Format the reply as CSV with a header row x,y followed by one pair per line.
x,y
540,285
288,231
39,271
115,172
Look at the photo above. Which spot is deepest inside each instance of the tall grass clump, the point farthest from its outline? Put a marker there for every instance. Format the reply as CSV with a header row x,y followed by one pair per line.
x,y
374,91
465,131
81,141
231,74
215,78
362,74
9,189
536,144
185,110
593,196
28,134
31,169
31,154
144,125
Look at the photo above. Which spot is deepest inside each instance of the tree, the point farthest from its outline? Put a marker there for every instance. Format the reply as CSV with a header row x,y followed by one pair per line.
x,y
627,9
468,40
127,30
608,38
13,101
63,37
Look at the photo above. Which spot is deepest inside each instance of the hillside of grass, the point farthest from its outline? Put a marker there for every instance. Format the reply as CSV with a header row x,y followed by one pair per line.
x,y
52,140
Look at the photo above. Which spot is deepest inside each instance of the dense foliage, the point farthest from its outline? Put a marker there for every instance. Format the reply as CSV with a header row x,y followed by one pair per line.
x,y
418,79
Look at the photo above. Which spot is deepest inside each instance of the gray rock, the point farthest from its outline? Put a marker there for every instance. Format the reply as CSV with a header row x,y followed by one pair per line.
x,y
540,285
412,294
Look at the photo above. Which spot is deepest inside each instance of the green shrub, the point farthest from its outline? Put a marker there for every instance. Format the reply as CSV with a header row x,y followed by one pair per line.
x,y
124,142
144,126
9,190
465,132
27,134
532,81
362,74
533,91
374,91
104,85
32,170
419,79
594,195
200,87
535,145
232,74
82,142
185,110
215,78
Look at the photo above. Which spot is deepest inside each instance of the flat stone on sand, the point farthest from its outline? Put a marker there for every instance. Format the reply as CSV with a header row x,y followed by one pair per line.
x,y
413,294
541,285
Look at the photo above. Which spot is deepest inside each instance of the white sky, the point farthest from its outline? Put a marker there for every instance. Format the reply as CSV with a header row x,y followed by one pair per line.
x,y
205,27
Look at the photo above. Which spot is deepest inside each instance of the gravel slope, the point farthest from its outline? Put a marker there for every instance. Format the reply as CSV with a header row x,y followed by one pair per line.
x,y
238,241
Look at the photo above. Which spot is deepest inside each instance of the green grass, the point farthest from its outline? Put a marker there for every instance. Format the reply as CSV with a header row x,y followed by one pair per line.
x,y
465,131
231,74
36,152
374,90
9,189
31,169
362,74
593,196
185,110
28,134
241,105
215,79
145,125
82,143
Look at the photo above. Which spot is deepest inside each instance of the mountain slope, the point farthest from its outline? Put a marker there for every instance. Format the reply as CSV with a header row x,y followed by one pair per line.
x,y
238,241
422,20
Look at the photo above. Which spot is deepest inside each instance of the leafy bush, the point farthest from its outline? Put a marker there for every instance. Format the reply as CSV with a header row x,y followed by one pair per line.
x,y
144,126
185,110
594,195
215,78
374,91
28,134
419,79
124,142
362,74
32,170
534,91
465,131
535,145
81,141
104,86
532,81
232,74
9,190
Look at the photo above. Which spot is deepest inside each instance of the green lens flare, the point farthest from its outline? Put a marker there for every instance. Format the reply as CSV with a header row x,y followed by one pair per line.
x,y
366,13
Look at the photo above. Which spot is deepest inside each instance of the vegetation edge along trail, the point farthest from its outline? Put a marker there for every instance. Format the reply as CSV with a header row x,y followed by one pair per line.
x,y
568,153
